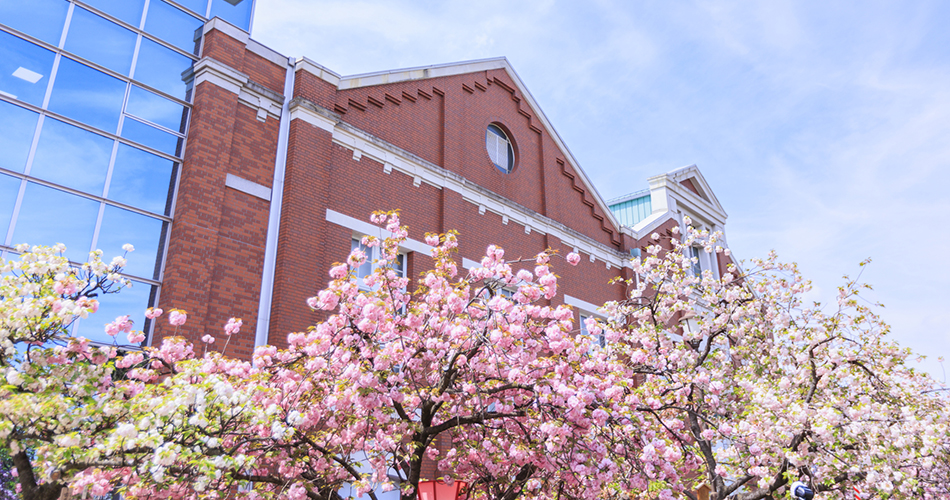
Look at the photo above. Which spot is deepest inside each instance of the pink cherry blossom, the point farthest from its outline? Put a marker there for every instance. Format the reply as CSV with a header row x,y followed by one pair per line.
x,y
233,326
177,317
573,258
153,312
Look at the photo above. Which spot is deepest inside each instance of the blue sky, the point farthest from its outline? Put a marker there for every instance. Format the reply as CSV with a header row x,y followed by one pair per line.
x,y
822,127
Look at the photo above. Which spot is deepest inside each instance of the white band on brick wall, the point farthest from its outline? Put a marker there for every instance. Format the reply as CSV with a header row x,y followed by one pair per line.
x,y
249,187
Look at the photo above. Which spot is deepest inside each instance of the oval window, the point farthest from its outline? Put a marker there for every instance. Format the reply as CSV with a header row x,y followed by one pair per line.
x,y
499,149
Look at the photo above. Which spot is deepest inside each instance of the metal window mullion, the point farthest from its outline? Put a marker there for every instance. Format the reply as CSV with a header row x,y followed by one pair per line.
x,y
79,124
115,150
135,55
16,213
83,194
69,17
95,232
155,125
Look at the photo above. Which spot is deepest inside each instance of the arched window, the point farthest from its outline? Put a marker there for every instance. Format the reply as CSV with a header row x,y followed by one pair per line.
x,y
499,149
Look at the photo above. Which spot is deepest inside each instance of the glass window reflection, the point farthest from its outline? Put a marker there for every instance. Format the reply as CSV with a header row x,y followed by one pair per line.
x,y
72,157
100,41
130,301
129,11
199,7
48,216
152,137
43,19
172,24
142,180
161,68
236,12
156,109
9,186
120,226
24,69
87,95
17,126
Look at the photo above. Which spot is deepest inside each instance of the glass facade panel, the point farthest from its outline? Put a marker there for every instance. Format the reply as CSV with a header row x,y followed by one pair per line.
x,y
8,191
130,301
142,180
150,136
48,216
197,6
156,109
72,157
120,226
236,12
161,68
172,24
100,41
17,126
129,11
43,19
24,69
87,95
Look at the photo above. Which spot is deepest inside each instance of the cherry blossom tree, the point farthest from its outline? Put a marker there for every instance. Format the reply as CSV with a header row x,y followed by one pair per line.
x,y
765,389
731,385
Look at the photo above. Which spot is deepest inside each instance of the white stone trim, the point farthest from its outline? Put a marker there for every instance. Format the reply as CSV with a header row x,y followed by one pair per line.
x,y
317,70
209,70
469,263
227,78
249,187
419,73
366,228
265,105
582,306
315,119
242,36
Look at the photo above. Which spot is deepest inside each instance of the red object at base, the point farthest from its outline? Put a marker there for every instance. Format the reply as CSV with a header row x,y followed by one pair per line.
x,y
440,490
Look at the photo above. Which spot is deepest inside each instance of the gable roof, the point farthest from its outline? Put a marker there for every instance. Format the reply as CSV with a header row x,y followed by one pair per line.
x,y
474,66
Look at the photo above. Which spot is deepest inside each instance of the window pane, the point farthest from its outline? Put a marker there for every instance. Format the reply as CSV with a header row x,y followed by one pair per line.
x,y
238,14
8,191
151,137
48,216
156,109
142,180
72,157
173,25
43,19
129,11
120,226
196,6
101,41
24,69
87,95
130,301
367,267
161,68
16,134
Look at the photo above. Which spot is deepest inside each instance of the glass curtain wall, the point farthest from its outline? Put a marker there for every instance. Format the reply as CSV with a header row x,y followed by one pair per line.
x,y
93,116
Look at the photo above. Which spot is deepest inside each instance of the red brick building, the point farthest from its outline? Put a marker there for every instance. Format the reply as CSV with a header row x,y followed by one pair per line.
x,y
286,159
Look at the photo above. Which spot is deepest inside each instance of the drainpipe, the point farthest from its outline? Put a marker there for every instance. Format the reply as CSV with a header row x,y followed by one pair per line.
x,y
273,223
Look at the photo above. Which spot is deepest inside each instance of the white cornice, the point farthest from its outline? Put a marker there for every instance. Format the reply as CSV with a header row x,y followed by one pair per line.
x,y
242,36
317,70
264,101
395,158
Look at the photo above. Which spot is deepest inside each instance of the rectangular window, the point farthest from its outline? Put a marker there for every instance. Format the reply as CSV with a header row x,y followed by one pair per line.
x,y
696,257
599,341
372,255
